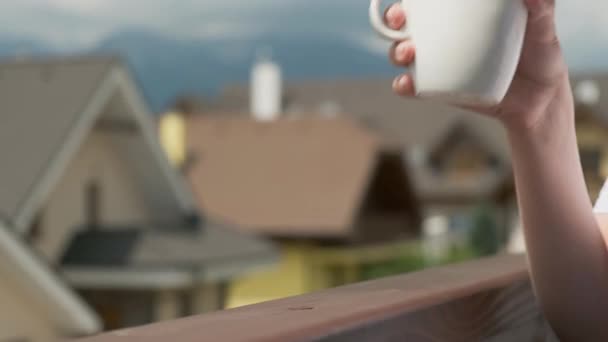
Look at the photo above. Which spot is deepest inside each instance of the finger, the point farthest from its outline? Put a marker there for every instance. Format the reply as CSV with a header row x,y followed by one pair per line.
x,y
541,20
394,17
402,53
404,85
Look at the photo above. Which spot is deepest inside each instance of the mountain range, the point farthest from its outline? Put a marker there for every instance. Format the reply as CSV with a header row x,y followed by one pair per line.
x,y
167,67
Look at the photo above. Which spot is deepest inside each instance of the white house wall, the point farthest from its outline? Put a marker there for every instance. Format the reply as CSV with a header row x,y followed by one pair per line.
x,y
121,199
21,318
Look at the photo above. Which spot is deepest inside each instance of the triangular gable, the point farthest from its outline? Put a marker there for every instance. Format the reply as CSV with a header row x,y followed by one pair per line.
x,y
108,86
460,135
39,104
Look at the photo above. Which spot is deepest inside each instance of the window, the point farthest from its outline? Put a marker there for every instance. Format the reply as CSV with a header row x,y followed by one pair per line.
x,y
461,222
36,232
92,204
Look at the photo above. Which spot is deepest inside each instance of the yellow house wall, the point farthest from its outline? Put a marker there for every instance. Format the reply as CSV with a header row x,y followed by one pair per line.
x,y
307,268
589,136
592,135
172,132
294,275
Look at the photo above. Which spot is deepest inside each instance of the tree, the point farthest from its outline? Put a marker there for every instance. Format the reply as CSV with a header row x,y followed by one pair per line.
x,y
484,236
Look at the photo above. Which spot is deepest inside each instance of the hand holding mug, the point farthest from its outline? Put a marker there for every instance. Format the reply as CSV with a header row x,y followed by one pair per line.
x,y
539,82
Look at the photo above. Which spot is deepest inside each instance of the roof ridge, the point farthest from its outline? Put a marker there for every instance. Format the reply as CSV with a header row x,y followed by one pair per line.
x,y
98,79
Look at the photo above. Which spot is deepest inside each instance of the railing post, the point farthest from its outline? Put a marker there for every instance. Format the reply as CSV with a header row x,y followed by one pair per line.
x,y
167,305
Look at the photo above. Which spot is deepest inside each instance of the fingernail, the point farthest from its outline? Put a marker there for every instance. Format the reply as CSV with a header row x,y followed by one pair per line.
x,y
402,52
393,15
402,82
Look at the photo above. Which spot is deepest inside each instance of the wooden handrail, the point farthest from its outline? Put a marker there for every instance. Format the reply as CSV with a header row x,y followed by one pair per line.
x,y
484,300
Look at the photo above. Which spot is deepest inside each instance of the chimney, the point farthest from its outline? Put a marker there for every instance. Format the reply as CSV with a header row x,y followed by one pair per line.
x,y
266,92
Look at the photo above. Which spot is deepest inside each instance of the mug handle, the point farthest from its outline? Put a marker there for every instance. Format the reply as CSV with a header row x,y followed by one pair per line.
x,y
377,22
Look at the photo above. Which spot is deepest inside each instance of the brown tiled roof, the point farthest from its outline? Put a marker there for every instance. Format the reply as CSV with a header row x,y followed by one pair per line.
x,y
400,121
291,178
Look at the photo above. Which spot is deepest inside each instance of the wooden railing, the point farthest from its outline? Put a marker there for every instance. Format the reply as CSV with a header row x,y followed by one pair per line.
x,y
484,300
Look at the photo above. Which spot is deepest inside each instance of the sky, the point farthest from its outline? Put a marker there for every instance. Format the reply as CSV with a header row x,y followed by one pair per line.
x,y
75,24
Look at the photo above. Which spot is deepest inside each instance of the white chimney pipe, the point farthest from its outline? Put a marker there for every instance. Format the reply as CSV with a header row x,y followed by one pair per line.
x,y
266,91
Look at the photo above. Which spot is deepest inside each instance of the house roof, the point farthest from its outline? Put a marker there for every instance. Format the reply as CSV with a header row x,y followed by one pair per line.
x,y
162,246
31,91
63,308
295,178
413,126
404,122
48,106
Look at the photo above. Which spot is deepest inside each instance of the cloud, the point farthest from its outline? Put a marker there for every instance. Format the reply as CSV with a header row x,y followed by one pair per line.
x,y
88,7
583,24
78,22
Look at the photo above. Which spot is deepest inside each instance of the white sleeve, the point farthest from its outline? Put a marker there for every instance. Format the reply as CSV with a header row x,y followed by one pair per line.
x,y
601,205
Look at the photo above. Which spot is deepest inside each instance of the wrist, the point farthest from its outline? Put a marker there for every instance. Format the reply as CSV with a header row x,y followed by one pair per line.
x,y
554,120
553,132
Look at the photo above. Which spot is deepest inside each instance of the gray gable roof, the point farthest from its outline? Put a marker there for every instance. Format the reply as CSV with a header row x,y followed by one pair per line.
x,y
162,246
40,102
46,108
101,247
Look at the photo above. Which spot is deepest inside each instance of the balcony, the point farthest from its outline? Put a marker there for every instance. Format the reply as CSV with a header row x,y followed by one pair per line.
x,y
484,300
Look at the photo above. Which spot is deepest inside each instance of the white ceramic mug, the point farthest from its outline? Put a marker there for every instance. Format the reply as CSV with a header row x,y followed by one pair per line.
x,y
467,51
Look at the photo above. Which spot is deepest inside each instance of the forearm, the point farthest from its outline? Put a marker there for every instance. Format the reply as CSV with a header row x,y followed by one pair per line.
x,y
567,254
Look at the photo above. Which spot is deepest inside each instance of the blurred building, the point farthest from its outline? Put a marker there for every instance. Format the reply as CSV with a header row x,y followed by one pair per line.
x,y
591,104
87,186
275,154
327,190
592,128
457,160
36,304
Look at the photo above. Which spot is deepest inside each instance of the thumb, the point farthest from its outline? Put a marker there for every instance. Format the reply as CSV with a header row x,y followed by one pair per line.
x,y
541,20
